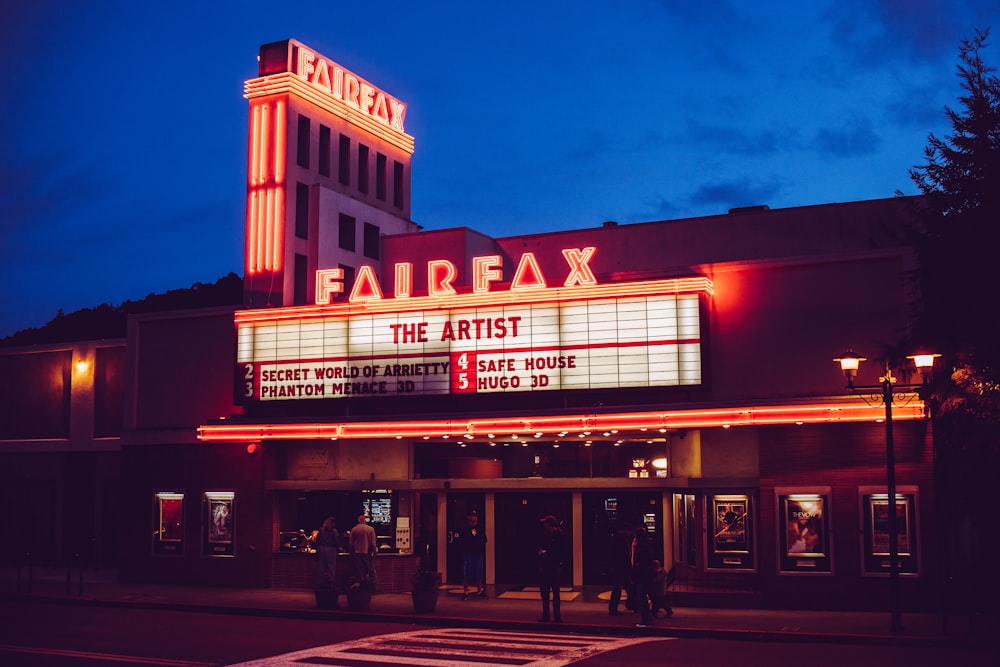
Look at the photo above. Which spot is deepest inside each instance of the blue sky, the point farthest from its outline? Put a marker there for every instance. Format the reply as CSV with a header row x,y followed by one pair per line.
x,y
124,127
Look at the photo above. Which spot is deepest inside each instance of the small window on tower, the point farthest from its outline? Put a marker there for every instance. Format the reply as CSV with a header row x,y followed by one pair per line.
x,y
302,158
362,168
380,176
344,175
347,232
371,240
301,263
302,210
397,184
324,150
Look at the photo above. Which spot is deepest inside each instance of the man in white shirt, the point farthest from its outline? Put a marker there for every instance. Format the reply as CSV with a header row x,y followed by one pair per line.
x,y
363,548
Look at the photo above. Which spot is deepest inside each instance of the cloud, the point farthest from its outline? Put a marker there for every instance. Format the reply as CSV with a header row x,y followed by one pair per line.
x,y
853,139
46,194
874,34
733,193
738,141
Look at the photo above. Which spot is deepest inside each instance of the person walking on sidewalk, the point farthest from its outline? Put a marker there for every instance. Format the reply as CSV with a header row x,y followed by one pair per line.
x,y
551,557
659,592
363,549
472,543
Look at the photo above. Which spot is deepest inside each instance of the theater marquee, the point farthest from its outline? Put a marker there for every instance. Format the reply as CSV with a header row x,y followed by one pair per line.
x,y
584,336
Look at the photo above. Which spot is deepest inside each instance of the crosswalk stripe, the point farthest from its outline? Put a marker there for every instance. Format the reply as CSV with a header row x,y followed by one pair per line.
x,y
451,647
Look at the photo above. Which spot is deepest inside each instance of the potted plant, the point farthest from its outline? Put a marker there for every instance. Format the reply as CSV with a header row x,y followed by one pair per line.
x,y
359,594
425,586
326,595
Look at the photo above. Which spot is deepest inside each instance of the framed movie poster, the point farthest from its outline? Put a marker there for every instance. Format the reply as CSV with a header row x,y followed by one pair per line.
x,y
804,544
168,523
875,521
730,534
218,533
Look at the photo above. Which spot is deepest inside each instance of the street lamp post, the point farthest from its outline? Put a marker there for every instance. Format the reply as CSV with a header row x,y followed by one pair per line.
x,y
849,363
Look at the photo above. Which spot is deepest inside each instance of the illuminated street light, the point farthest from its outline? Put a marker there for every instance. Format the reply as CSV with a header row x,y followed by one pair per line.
x,y
849,364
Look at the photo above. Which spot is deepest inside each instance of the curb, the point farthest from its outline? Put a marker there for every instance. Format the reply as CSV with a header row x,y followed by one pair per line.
x,y
438,620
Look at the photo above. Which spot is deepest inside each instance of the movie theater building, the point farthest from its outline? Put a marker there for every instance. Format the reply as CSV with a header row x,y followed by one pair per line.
x,y
676,374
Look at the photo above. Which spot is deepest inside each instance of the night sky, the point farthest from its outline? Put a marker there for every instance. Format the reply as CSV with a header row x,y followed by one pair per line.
x,y
124,126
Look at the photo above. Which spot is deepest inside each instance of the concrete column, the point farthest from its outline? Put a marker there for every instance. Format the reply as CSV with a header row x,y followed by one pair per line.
x,y
489,516
577,540
442,534
668,530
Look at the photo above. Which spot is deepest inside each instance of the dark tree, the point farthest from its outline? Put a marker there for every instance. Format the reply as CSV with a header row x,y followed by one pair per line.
x,y
957,281
960,227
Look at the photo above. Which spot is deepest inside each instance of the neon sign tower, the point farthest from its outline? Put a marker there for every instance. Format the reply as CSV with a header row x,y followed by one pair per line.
x,y
328,173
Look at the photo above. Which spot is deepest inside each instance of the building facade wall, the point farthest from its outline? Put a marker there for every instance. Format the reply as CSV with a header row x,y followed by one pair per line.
x,y
786,291
59,446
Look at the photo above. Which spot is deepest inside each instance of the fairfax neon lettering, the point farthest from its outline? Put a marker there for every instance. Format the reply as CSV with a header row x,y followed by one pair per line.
x,y
442,273
346,87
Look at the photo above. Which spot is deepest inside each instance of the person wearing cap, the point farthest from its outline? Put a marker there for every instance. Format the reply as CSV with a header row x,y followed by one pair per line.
x,y
551,558
472,544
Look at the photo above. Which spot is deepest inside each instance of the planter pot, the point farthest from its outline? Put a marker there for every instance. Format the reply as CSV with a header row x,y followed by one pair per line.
x,y
425,601
326,597
359,599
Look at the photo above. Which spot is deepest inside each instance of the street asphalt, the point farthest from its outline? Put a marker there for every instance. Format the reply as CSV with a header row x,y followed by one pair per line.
x,y
583,612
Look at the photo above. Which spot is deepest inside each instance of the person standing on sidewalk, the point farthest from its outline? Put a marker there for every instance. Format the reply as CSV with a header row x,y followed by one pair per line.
x,y
551,557
642,575
363,549
620,565
472,543
327,543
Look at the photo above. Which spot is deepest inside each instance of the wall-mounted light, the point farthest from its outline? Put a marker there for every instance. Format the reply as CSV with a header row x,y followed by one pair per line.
x,y
81,366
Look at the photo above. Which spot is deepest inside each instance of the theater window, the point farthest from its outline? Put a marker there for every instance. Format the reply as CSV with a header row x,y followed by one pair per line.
x,y
302,210
380,176
397,184
302,148
324,150
347,232
362,168
371,241
344,162
301,273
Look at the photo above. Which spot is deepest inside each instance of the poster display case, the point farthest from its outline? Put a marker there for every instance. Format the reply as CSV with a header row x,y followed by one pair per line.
x,y
217,536
875,526
168,523
730,533
804,531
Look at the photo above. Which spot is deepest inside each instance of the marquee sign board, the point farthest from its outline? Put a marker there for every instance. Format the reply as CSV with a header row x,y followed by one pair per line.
x,y
610,336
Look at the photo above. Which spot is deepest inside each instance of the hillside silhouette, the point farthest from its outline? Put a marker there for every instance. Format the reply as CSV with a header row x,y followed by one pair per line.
x,y
108,321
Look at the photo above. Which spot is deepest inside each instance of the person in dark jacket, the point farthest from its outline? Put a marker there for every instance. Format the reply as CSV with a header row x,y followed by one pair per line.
x,y
620,565
327,543
642,575
551,558
472,543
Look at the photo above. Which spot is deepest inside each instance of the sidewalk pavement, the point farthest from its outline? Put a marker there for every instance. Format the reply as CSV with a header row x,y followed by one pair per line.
x,y
585,613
